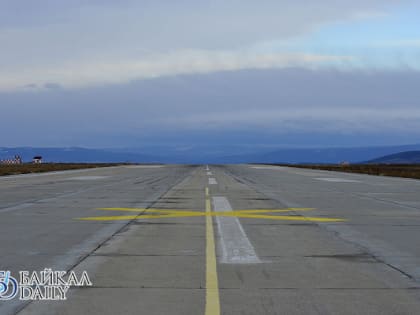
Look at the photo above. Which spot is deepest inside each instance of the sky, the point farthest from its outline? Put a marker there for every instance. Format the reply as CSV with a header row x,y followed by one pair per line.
x,y
269,73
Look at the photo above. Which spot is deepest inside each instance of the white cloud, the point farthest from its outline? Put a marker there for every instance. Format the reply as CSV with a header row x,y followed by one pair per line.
x,y
82,43
151,66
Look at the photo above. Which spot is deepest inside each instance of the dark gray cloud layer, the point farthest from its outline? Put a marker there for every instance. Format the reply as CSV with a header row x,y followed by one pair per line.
x,y
249,106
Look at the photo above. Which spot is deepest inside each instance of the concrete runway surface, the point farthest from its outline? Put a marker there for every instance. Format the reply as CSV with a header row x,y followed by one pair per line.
x,y
243,239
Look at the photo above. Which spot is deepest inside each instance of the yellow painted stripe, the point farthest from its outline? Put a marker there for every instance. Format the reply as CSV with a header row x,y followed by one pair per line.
x,y
267,214
238,214
175,211
111,218
133,217
145,210
212,283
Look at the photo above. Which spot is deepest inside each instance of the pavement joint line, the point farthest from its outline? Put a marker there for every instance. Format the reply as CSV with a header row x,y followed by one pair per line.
x,y
17,207
212,283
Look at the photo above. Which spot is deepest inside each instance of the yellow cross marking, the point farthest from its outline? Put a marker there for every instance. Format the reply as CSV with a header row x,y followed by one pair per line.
x,y
269,214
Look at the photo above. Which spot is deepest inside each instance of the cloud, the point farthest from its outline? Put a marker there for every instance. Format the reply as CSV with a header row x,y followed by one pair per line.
x,y
368,15
30,86
130,69
286,101
83,43
320,119
52,86
170,64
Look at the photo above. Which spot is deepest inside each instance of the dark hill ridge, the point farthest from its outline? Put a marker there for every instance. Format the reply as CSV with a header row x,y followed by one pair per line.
x,y
319,155
211,154
409,157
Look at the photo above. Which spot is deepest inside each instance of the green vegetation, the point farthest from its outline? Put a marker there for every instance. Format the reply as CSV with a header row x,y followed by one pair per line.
x,y
395,170
48,167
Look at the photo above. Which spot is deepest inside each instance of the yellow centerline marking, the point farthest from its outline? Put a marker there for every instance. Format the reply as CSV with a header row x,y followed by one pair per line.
x,y
212,283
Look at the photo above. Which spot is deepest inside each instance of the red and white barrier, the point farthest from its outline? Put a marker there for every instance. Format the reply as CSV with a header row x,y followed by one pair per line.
x,y
15,161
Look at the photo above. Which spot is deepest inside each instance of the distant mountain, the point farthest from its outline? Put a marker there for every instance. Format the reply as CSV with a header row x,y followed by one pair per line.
x,y
410,157
149,154
201,154
319,155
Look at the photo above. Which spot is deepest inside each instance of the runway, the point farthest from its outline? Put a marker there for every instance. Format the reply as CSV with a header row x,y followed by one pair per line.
x,y
218,239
